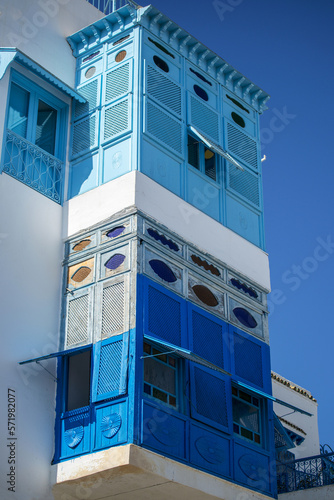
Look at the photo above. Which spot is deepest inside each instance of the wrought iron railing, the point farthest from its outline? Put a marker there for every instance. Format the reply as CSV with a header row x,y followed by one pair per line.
x,y
109,6
33,166
305,473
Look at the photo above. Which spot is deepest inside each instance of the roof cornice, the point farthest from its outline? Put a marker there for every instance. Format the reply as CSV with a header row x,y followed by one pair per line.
x,y
170,33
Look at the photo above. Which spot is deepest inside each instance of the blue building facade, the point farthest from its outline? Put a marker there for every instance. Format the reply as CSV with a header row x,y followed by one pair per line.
x,y
162,344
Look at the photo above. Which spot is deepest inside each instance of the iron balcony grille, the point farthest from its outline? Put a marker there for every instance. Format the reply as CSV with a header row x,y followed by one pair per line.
x,y
305,473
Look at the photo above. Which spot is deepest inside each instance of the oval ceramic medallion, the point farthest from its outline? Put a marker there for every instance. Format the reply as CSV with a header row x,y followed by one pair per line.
x,y
210,450
244,317
110,425
162,270
73,436
81,274
115,261
205,295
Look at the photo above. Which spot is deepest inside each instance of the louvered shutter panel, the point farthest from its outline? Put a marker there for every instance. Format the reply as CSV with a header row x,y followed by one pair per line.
x,y
210,397
207,337
110,368
78,318
242,146
244,184
116,119
117,82
204,118
164,315
113,308
247,358
164,90
84,135
90,92
163,127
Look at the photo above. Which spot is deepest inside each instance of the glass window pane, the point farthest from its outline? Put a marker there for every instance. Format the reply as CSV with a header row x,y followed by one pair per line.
x,y
246,415
46,127
18,110
78,381
193,152
210,163
159,375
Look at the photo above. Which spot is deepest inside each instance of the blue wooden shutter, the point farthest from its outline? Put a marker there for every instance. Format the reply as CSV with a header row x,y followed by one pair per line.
x,y
204,118
110,368
165,314
18,110
164,90
206,335
250,359
210,394
245,184
242,146
163,127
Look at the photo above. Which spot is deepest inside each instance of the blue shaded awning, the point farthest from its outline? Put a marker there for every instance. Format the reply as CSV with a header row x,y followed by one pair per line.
x,y
7,55
184,353
215,147
75,350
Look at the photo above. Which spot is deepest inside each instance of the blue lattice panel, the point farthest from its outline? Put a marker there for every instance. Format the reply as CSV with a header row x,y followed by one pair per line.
x,y
210,451
75,433
164,431
254,469
250,359
110,425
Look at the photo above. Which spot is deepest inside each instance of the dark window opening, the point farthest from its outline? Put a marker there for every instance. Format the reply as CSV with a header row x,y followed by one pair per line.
x,y
78,381
237,103
200,76
238,119
161,64
46,127
210,163
246,415
244,317
160,377
201,93
202,158
161,47
193,152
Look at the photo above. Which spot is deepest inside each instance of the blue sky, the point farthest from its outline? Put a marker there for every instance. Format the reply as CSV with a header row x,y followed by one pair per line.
x,y
286,48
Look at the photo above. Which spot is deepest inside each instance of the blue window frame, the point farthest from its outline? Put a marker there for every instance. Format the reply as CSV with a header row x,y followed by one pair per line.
x,y
78,380
247,412
202,158
161,375
36,133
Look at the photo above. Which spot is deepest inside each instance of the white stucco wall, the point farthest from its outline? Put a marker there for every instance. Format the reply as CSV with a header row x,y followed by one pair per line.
x,y
39,29
137,189
30,264
309,425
